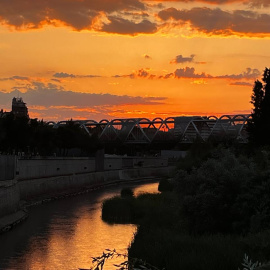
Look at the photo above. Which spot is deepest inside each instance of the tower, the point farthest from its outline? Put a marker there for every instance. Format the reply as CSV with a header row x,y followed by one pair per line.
x,y
19,108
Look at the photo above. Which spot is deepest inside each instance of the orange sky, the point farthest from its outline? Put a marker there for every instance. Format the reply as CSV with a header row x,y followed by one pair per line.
x,y
95,59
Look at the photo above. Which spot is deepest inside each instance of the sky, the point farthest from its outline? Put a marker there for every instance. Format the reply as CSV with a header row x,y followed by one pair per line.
x,y
108,59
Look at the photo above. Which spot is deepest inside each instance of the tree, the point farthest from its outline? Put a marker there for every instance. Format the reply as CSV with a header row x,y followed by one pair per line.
x,y
259,126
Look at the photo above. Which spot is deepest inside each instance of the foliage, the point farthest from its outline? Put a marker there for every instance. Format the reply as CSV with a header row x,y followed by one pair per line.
x,y
259,126
127,192
19,134
175,249
248,264
118,209
165,185
157,209
226,194
197,153
218,211
129,263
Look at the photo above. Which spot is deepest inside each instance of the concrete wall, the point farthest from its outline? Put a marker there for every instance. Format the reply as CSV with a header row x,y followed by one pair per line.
x,y
52,186
9,197
113,163
147,162
7,167
38,167
38,178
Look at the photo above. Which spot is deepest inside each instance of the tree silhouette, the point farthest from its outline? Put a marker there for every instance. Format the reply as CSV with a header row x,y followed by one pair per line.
x,y
259,126
20,134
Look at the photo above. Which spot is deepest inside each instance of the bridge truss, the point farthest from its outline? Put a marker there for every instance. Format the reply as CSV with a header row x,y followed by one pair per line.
x,y
178,129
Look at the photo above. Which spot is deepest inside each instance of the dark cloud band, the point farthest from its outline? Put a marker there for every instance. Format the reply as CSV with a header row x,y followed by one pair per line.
x,y
219,22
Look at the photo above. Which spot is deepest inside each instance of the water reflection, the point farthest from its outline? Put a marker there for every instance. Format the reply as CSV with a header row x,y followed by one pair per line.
x,y
65,234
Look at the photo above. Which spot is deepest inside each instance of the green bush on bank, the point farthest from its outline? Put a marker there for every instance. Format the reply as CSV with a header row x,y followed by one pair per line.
x,y
226,194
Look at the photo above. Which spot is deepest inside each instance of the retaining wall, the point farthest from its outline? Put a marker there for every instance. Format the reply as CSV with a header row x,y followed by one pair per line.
x,y
7,167
9,197
39,178
52,186
39,167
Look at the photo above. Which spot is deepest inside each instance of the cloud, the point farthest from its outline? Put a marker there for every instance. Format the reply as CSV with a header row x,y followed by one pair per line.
x,y
15,78
180,59
119,25
219,22
241,84
48,95
188,72
63,75
50,101
250,73
77,14
146,56
255,3
258,3
141,73
68,75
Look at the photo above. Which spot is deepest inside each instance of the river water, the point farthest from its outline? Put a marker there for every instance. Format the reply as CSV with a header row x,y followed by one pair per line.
x,y
65,234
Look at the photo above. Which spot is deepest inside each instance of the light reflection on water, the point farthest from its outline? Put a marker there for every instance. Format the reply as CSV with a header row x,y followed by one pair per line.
x,y
65,234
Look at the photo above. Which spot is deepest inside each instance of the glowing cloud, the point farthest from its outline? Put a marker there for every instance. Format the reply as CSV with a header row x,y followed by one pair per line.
x,y
219,22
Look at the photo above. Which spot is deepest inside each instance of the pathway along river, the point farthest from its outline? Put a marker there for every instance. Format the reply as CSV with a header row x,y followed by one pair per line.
x,y
65,234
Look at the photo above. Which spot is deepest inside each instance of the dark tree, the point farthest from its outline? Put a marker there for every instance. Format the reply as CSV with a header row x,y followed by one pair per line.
x,y
259,126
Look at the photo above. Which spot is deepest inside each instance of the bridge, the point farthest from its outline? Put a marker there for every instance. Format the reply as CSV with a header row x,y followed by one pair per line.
x,y
183,129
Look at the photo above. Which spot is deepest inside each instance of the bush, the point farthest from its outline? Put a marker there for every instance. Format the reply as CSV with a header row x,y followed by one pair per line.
x,y
165,185
226,194
127,192
118,210
173,250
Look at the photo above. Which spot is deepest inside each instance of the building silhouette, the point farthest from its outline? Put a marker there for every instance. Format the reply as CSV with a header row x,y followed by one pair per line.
x,y
19,108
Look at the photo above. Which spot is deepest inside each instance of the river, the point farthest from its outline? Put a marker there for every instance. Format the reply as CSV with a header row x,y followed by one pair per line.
x,y
66,233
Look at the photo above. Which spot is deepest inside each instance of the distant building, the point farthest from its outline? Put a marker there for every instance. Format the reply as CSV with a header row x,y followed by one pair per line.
x,y
19,108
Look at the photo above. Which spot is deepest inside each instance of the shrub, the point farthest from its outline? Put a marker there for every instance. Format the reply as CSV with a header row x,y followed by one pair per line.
x,y
226,194
127,192
117,209
165,185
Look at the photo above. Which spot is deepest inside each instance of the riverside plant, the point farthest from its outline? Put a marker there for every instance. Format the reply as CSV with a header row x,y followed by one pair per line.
x,y
249,265
129,263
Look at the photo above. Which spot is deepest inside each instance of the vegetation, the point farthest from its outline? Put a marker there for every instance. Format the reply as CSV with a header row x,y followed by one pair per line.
x,y
129,263
165,185
259,126
19,134
127,192
217,212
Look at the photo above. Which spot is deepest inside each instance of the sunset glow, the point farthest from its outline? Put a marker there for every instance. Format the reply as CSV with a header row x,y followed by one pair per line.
x,y
96,59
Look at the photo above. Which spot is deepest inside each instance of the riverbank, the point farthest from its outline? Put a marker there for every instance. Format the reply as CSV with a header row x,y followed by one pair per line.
x,y
41,190
10,221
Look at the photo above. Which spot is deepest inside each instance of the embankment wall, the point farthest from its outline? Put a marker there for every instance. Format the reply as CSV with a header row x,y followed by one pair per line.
x,y
9,197
37,178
